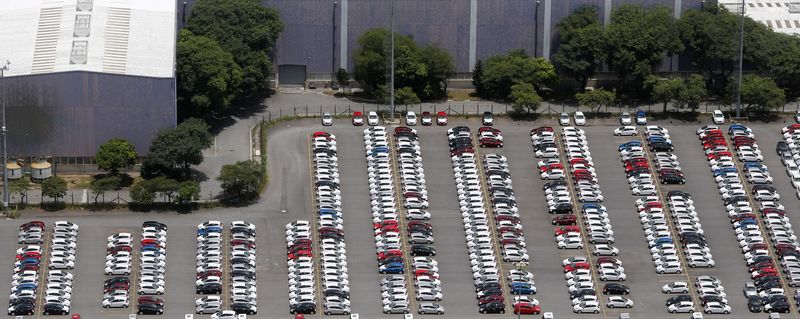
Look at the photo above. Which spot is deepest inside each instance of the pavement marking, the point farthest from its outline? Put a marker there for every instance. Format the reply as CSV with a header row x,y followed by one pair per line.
x,y
133,282
668,215
43,270
401,220
491,216
315,231
771,246
584,236
226,288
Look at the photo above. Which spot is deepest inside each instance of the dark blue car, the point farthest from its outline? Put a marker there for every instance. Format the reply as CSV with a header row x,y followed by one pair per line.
x,y
29,261
327,211
210,229
630,144
521,288
747,221
392,268
663,240
737,127
24,287
592,205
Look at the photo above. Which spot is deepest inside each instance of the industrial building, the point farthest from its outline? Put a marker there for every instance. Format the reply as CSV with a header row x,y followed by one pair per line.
x,y
84,71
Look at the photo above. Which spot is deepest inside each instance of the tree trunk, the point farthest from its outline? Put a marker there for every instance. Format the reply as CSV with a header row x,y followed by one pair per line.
x,y
665,107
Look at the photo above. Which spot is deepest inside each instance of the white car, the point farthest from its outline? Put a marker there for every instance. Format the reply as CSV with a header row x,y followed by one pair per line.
x,y
625,131
625,118
115,302
586,307
563,119
605,250
718,117
675,287
580,119
327,119
411,118
716,307
619,302
681,307
372,118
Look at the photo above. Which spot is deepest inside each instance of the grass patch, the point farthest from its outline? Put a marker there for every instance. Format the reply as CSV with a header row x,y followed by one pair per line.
x,y
462,95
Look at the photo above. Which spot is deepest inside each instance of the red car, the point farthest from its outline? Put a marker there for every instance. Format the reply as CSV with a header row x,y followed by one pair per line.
x,y
565,220
491,142
208,273
491,298
390,253
762,265
770,211
508,229
384,223
742,216
785,246
36,223
513,219
152,242
299,253
403,129
425,272
607,259
358,118
419,223
541,129
244,242
567,229
441,118
580,161
527,309
551,166
763,273
30,254
574,266
649,205
757,246
298,247
510,241
717,155
427,119
117,286
150,300
118,248
324,134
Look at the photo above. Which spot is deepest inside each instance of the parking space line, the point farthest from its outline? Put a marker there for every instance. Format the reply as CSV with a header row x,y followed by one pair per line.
x,y
315,245
226,266
770,247
665,206
411,292
43,270
579,215
134,255
492,226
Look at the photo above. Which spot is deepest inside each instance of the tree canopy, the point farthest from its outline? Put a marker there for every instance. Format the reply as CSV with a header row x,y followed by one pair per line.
x,y
241,180
181,147
580,45
208,77
115,155
246,29
501,72
760,94
54,187
524,98
596,98
637,39
422,69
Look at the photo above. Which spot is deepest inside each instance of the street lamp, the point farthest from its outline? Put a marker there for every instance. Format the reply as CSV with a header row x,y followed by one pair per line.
x,y
3,68
333,37
536,30
520,266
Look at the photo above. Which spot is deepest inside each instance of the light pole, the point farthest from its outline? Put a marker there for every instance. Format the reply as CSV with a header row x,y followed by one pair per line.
x,y
741,57
520,266
391,108
333,45
3,68
536,31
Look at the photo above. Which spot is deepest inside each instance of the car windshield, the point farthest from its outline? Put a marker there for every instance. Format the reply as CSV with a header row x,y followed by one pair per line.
x,y
487,115
373,116
411,116
564,116
326,116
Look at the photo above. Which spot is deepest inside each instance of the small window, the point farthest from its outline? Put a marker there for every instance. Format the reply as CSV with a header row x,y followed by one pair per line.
x,y
778,4
769,4
788,24
778,23
760,5
769,23
797,24
751,5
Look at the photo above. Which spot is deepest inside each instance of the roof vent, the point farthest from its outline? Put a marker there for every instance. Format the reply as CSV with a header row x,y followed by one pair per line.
x,y
85,5
82,25
79,52
794,7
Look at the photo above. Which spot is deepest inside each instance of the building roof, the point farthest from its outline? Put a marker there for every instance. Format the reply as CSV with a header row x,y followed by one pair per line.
x,y
780,15
133,37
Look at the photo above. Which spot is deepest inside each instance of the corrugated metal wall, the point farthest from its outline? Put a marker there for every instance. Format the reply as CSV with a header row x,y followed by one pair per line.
x,y
502,25
72,113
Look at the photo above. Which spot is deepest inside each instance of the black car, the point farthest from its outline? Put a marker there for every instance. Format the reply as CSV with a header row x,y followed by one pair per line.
x,y
21,300
150,309
582,292
337,292
539,147
754,304
616,289
768,285
486,285
564,208
771,299
393,259
115,280
763,187
243,307
420,229
243,273
152,223
678,193
422,250
678,299
22,309
661,147
735,199
782,147
55,309
672,179
710,298
758,260
209,289
762,280
778,306
552,184
304,308
487,119
494,291
492,307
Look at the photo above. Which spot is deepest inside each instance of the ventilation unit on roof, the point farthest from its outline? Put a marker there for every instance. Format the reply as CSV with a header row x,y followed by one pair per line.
x,y
85,5
82,25
794,7
79,52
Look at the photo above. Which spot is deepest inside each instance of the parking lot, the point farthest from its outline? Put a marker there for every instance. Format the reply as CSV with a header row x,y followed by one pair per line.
x,y
290,182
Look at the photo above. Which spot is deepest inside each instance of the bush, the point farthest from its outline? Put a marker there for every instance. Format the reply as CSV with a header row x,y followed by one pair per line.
x,y
54,187
241,180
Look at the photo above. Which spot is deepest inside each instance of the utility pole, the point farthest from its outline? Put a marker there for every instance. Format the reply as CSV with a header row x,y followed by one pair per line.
x,y
741,57
3,68
391,108
333,45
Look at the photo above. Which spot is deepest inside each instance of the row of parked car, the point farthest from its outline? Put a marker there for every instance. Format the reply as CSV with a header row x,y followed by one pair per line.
x,y
27,268
480,245
119,259
388,239
711,293
152,264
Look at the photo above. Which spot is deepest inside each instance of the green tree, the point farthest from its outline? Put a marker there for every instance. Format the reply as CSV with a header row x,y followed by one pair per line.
x,y
246,29
115,155
189,191
402,96
784,64
20,186
665,90
208,77
142,194
524,98
596,98
477,78
54,187
694,92
424,70
163,185
342,77
181,146
241,180
103,185
503,71
637,39
759,94
581,46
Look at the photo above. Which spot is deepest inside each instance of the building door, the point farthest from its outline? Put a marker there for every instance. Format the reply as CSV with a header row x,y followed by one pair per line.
x,y
292,75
